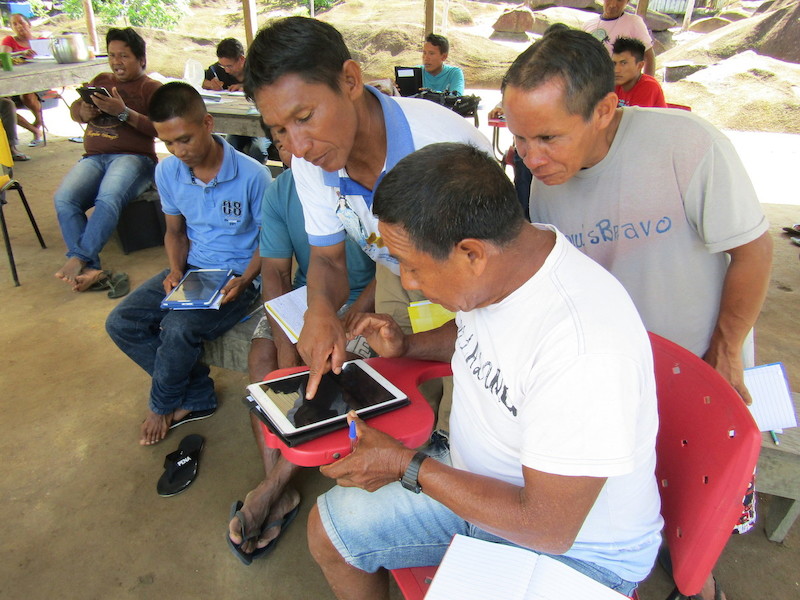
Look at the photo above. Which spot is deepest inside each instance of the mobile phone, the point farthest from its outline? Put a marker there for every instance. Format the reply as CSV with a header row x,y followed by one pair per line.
x,y
87,91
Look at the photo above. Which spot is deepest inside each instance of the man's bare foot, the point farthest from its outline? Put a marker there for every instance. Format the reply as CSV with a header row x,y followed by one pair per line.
x,y
87,278
71,269
155,427
258,512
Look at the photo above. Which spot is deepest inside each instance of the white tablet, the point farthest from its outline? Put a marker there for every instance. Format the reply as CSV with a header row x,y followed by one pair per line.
x,y
359,387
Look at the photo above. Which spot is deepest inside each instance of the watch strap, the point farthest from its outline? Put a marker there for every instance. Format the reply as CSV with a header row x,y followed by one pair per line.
x,y
123,116
410,477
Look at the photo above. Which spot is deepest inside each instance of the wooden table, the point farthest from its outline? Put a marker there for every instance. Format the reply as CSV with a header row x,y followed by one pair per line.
x,y
778,475
39,75
234,114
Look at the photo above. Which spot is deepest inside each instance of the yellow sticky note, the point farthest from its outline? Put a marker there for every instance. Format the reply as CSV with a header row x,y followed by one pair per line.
x,y
425,315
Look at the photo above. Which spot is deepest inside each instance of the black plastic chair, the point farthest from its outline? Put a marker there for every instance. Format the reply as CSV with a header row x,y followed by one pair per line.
x,y
8,183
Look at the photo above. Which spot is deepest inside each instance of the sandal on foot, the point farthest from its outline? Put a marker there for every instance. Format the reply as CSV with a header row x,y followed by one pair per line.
x,y
20,157
248,558
717,593
195,415
36,143
665,560
180,467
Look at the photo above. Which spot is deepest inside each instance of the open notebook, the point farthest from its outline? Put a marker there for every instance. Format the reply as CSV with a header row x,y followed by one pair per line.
x,y
473,569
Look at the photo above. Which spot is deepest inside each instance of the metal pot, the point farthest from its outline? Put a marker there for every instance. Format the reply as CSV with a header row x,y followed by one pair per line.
x,y
69,48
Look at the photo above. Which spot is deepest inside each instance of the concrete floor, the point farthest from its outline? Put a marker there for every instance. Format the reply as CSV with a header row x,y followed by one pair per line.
x,y
82,518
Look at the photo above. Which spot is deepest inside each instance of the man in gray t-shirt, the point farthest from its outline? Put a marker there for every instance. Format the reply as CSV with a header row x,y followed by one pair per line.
x,y
657,196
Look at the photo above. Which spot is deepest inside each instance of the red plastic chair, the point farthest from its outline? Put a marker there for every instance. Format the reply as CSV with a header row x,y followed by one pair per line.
x,y
707,449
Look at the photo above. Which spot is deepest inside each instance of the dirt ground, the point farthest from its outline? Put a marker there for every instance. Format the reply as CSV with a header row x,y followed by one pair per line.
x,y
82,516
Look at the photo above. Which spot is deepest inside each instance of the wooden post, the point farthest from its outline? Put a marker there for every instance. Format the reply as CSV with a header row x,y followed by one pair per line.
x,y
88,10
429,13
250,20
687,17
311,8
641,8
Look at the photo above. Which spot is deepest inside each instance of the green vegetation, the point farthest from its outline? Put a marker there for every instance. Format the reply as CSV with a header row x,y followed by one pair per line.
x,y
164,14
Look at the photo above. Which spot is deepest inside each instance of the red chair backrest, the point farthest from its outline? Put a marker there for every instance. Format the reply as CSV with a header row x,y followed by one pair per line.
x,y
707,449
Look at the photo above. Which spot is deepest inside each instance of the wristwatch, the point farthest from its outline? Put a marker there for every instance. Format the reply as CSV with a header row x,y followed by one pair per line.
x,y
123,116
409,479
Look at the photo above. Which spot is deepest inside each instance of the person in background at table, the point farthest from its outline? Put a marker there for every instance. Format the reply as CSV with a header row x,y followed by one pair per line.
x,y
21,42
228,74
634,88
118,163
283,237
545,340
211,195
659,197
7,116
615,23
436,75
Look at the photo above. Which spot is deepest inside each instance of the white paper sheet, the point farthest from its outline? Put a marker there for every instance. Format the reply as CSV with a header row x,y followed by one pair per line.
x,y
473,569
772,406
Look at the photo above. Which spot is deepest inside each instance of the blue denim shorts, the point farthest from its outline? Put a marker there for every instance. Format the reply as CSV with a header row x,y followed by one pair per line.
x,y
394,528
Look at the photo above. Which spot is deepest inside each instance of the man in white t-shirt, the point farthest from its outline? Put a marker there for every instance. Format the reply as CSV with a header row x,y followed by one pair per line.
x,y
615,23
554,408
659,197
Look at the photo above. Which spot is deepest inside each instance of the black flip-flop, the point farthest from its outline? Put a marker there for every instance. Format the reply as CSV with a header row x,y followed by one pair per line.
x,y
195,415
248,558
180,467
117,284
793,230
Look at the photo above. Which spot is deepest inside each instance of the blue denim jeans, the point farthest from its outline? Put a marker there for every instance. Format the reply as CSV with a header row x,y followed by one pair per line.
x,y
393,528
106,182
168,344
255,147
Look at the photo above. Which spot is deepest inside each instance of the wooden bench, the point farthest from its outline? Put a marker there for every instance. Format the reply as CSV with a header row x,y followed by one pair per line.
x,y
778,475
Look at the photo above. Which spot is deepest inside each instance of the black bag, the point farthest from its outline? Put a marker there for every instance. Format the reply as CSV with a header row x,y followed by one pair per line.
x,y
466,106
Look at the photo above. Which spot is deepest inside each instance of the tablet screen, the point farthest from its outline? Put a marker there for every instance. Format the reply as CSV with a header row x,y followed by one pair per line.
x,y
353,389
199,287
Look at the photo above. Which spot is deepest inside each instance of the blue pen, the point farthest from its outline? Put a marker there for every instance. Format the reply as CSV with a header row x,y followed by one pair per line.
x,y
774,437
352,435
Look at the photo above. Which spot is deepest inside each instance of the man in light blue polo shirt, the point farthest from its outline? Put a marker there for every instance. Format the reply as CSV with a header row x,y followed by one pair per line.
x,y
283,237
436,75
211,195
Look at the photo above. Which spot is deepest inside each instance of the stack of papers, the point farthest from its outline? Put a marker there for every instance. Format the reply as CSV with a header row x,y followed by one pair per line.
x,y
289,312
